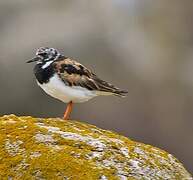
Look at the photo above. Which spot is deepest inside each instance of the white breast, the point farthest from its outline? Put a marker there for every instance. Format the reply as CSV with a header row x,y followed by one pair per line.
x,y
57,89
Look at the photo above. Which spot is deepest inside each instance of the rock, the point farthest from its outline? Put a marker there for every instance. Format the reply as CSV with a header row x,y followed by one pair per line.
x,y
37,148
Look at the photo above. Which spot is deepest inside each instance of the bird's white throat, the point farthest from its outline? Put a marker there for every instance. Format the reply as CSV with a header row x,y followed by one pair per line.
x,y
47,64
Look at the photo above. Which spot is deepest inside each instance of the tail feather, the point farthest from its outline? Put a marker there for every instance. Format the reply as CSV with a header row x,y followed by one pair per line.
x,y
109,89
121,93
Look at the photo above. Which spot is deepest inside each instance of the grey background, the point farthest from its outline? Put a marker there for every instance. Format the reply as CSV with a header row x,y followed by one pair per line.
x,y
143,46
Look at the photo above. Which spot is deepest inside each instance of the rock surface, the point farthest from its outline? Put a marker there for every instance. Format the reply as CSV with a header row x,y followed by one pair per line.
x,y
36,148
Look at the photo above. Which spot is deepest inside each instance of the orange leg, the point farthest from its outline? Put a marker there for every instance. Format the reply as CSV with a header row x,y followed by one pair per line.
x,y
68,111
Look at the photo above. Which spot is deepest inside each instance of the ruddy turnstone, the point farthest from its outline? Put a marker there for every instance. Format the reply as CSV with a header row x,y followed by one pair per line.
x,y
67,80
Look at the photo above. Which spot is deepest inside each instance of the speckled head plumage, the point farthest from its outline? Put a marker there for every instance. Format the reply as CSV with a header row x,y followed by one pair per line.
x,y
45,54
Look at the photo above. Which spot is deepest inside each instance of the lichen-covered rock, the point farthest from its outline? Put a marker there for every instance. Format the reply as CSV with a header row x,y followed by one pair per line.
x,y
36,148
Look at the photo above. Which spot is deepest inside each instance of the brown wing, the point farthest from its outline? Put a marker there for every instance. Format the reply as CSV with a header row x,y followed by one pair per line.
x,y
75,74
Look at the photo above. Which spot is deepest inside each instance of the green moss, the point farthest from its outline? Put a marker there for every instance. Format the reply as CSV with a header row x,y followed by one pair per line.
x,y
54,149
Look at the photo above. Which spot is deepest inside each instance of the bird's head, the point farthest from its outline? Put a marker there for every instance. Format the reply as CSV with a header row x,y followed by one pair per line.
x,y
45,54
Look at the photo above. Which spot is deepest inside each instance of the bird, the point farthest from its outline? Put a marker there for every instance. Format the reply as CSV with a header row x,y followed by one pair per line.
x,y
68,80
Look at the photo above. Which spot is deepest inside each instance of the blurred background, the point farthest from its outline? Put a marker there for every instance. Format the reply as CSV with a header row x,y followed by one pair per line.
x,y
144,46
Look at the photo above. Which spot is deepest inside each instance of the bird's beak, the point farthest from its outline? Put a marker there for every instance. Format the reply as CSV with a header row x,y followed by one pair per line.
x,y
33,60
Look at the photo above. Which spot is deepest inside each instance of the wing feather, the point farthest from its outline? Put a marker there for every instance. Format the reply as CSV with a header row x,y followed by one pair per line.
x,y
73,73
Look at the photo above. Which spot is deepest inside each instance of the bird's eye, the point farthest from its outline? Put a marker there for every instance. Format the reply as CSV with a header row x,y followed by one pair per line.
x,y
52,50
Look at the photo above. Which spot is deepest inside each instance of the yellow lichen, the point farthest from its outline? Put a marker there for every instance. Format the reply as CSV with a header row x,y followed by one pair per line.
x,y
56,149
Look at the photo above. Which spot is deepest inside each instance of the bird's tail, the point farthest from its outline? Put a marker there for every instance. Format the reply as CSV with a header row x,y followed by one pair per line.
x,y
120,93
105,88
